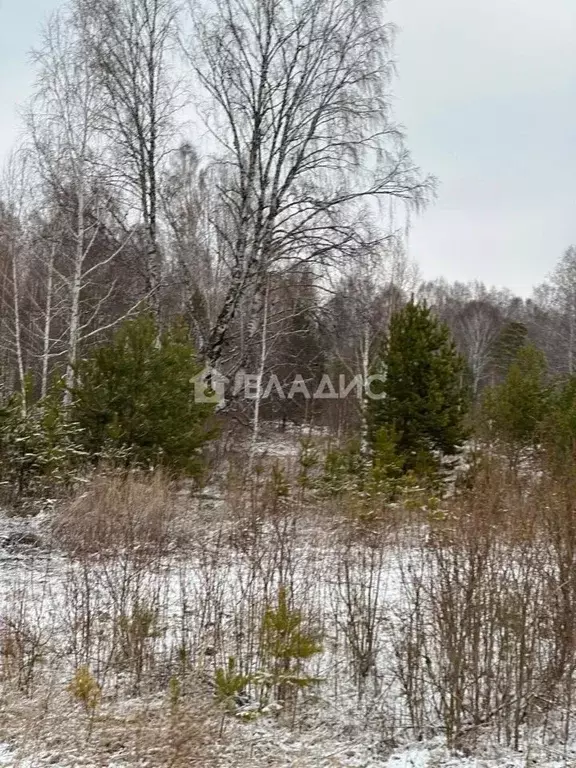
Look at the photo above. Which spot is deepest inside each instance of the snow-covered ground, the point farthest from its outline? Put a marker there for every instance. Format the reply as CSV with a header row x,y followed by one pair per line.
x,y
201,598
332,730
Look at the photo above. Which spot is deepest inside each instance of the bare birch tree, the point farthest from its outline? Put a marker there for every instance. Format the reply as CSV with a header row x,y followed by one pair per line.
x,y
63,121
476,329
188,202
14,243
563,299
298,100
131,44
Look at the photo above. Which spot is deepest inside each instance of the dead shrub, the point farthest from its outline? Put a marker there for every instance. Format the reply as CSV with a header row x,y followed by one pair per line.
x,y
22,648
120,512
486,636
180,738
130,733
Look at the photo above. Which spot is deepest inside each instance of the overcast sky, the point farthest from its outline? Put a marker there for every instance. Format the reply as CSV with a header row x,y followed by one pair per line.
x,y
487,92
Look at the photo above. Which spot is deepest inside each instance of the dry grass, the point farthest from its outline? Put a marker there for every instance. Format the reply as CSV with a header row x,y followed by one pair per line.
x,y
457,617
119,511
52,729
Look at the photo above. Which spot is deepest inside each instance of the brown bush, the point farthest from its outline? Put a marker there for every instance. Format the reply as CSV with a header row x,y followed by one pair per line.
x,y
120,511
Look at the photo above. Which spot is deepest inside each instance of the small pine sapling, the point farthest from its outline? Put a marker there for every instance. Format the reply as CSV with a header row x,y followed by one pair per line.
x,y
286,644
230,689
85,689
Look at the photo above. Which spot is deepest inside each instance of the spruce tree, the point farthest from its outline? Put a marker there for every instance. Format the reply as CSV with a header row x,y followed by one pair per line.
x,y
424,393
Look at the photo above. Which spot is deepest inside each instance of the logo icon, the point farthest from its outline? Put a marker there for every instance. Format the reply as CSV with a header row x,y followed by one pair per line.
x,y
210,386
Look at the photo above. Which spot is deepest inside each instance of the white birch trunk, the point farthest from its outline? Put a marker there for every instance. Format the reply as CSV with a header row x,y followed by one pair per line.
x,y
364,446
75,305
47,324
18,330
260,377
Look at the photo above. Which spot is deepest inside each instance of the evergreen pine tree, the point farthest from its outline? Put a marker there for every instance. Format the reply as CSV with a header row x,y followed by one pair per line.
x,y
558,429
506,346
40,448
516,408
135,398
424,392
